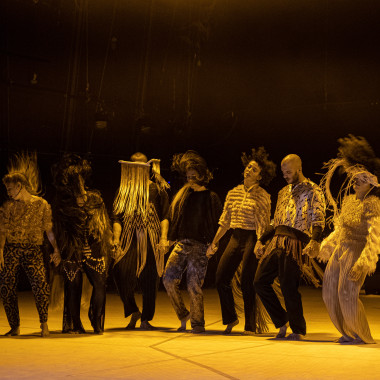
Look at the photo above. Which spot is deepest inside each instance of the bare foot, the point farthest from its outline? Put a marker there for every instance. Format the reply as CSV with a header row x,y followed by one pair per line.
x,y
293,336
282,333
343,339
13,331
230,326
183,323
44,330
134,318
354,341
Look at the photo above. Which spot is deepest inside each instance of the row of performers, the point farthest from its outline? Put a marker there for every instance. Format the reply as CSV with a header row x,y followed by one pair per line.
x,y
145,227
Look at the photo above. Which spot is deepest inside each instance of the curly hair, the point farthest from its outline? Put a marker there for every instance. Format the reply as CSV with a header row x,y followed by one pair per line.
x,y
268,167
182,162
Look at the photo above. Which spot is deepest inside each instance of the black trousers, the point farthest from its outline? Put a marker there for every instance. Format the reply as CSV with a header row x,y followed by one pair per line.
x,y
277,263
238,251
96,274
126,281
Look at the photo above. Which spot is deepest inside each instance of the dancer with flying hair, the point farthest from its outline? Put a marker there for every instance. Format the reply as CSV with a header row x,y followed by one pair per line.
x,y
84,237
247,212
352,248
24,219
193,217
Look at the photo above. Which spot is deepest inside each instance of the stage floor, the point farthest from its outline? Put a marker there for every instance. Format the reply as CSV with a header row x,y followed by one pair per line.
x,y
167,354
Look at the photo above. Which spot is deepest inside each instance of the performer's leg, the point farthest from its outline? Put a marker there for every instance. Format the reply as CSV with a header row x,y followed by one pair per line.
x,y
355,320
331,298
226,269
73,279
196,272
33,264
148,284
249,266
289,276
174,269
96,272
124,273
9,279
266,272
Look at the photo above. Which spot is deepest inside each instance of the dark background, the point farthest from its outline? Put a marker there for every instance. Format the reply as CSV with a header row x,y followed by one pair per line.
x,y
219,76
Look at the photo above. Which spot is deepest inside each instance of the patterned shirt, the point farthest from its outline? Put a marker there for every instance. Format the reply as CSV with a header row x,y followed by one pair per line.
x,y
301,206
25,222
248,209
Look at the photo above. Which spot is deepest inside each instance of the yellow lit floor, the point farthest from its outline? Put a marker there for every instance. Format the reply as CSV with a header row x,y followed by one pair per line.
x,y
167,354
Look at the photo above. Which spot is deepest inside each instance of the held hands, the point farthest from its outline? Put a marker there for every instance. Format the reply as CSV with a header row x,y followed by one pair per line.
x,y
212,248
163,245
312,249
55,257
259,249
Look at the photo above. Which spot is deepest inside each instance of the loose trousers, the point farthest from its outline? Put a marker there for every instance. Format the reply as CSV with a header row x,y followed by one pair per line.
x,y
191,255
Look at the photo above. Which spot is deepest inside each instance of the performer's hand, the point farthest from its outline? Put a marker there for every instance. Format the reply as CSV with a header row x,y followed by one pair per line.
x,y
163,245
212,248
55,257
259,249
312,249
354,274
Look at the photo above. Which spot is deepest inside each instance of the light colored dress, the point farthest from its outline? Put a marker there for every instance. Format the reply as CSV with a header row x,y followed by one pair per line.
x,y
353,247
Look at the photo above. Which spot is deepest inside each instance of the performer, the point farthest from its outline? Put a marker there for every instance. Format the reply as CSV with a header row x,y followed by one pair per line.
x,y
298,223
140,236
247,212
84,237
352,248
23,220
194,214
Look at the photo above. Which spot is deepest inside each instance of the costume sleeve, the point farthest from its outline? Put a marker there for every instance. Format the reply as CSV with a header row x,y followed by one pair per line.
x,y
318,206
263,214
4,218
328,245
164,201
225,218
47,217
369,256
216,207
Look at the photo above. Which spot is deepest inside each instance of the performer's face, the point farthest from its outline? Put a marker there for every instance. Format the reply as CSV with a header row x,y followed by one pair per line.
x,y
193,178
290,172
252,172
13,189
361,187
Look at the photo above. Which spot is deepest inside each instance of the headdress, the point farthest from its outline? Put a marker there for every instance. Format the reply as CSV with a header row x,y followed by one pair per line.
x,y
268,167
139,216
357,158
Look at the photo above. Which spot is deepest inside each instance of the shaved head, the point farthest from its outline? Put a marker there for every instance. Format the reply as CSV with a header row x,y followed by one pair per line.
x,y
293,160
291,167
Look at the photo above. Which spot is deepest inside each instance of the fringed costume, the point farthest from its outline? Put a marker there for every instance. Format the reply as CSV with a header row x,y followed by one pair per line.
x,y
352,248
247,212
84,237
299,217
23,223
194,214
139,207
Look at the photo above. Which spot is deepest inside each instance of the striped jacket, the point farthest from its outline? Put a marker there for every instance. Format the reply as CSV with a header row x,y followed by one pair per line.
x,y
248,209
